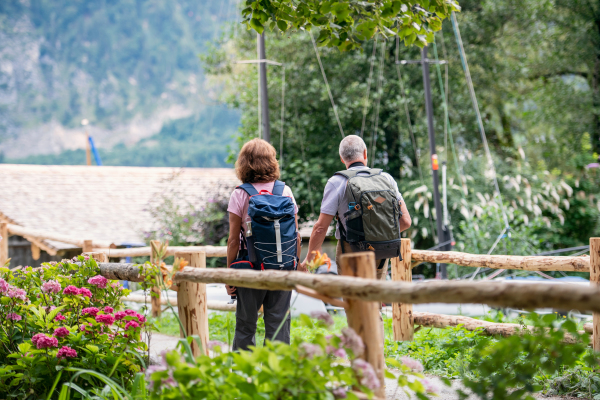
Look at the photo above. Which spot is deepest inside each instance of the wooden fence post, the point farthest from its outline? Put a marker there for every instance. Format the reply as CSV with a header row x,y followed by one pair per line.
x,y
402,314
363,316
155,290
88,246
99,257
3,243
595,281
192,303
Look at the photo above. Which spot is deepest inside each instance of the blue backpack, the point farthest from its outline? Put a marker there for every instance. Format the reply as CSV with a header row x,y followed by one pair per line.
x,y
270,238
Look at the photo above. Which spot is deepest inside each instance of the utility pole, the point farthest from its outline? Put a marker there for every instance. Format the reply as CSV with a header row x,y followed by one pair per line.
x,y
264,95
443,232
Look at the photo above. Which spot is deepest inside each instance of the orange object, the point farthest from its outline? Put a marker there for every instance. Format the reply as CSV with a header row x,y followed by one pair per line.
x,y
318,260
434,162
370,207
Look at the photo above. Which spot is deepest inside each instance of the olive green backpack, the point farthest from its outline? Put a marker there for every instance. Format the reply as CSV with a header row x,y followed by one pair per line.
x,y
372,219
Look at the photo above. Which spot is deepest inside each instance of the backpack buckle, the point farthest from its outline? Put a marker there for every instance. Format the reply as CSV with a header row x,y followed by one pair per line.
x,y
357,207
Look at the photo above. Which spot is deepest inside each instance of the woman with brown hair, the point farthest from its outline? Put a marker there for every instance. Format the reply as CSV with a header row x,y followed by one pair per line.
x,y
258,169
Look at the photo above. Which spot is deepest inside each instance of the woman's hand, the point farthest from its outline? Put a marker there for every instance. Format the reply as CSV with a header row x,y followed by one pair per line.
x,y
302,267
230,290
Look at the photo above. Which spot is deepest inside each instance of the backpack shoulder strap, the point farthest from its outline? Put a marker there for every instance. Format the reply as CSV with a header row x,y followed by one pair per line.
x,y
278,188
349,174
248,188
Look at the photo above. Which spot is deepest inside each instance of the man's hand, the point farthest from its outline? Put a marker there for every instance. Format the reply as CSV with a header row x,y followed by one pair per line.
x,y
230,290
302,267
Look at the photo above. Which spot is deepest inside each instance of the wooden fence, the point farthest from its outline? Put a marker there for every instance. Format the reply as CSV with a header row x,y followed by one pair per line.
x,y
361,291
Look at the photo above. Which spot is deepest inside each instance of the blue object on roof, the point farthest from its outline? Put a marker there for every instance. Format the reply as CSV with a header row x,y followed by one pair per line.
x,y
94,151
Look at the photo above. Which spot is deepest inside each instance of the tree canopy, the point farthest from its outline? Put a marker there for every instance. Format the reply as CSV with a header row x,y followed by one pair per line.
x,y
345,24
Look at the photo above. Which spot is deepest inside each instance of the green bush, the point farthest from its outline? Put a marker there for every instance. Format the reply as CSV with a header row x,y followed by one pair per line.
x,y
60,318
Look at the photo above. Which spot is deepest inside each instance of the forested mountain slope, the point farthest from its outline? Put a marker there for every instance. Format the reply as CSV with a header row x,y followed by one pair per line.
x,y
127,66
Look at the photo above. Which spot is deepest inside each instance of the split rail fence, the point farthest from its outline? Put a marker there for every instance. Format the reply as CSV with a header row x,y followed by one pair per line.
x,y
361,291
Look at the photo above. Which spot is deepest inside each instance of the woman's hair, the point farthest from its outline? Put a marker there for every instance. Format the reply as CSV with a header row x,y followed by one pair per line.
x,y
257,162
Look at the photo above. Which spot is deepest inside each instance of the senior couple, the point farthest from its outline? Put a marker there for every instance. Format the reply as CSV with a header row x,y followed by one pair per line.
x,y
257,165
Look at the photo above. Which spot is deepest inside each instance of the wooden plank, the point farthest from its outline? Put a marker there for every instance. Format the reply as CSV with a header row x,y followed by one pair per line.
x,y
36,252
595,282
431,320
99,257
525,263
402,313
314,294
45,235
192,304
87,247
214,305
155,290
211,251
363,316
524,295
3,243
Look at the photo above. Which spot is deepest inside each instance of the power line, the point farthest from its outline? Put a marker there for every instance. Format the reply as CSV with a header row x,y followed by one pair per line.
x,y
463,59
327,84
366,102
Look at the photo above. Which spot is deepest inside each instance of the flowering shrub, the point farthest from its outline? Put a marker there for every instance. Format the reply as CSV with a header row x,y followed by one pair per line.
x,y
61,317
327,367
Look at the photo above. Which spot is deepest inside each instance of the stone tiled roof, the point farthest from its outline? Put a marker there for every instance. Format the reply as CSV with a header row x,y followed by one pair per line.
x,y
101,203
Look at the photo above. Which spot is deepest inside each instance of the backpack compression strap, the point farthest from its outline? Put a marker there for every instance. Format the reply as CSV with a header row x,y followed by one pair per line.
x,y
248,188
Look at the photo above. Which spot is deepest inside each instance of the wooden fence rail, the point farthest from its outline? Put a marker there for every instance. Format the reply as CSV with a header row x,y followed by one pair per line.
x,y
361,291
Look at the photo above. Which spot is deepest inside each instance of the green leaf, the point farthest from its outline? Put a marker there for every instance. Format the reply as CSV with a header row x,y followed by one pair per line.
x,y
256,25
274,362
94,349
282,25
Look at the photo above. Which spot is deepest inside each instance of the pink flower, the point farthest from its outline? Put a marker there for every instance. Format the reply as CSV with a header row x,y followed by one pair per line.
x,y
51,287
59,317
71,290
412,364
43,341
366,373
340,353
131,324
84,327
108,310
105,319
130,312
140,318
311,350
98,281
323,316
85,292
352,341
119,315
90,311
66,352
3,286
430,386
214,343
340,393
61,332
16,293
14,317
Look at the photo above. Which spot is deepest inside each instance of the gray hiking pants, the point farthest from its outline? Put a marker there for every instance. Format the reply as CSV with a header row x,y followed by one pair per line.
x,y
275,304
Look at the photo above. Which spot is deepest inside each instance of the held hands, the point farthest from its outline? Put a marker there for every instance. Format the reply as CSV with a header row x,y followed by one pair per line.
x,y
302,267
230,290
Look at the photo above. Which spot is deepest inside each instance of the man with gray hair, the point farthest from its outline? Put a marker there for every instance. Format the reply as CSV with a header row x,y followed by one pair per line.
x,y
340,201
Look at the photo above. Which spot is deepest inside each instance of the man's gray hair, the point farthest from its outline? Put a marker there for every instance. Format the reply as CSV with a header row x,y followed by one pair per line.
x,y
352,148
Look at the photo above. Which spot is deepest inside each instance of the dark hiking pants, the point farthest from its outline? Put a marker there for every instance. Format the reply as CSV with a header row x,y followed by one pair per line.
x,y
275,304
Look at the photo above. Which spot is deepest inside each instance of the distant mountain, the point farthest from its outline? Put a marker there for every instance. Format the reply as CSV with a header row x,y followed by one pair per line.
x,y
128,66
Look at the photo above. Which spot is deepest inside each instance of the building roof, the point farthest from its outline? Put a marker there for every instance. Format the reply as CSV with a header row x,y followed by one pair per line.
x,y
101,203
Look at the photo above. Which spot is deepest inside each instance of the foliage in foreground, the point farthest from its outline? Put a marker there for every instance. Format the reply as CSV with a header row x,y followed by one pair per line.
x,y
512,367
59,318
